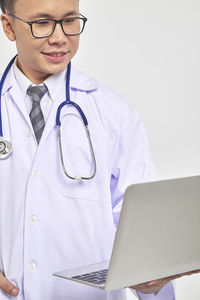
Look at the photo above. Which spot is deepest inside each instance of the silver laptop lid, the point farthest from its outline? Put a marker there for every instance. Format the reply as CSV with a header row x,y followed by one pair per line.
x,y
158,232
157,236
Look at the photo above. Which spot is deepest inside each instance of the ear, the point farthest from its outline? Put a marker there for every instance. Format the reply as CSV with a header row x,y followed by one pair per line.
x,y
8,26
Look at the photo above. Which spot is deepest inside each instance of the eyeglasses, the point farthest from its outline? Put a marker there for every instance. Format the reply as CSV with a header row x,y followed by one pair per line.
x,y
43,28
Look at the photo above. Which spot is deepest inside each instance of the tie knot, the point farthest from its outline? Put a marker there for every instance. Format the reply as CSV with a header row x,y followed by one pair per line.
x,y
37,92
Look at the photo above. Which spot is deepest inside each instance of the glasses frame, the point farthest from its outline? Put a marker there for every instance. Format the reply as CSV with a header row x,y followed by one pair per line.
x,y
55,23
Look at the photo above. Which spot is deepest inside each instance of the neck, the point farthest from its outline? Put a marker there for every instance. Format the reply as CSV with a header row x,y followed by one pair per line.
x,y
36,80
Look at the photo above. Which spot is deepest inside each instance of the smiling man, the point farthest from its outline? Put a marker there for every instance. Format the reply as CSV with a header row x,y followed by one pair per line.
x,y
49,221
38,58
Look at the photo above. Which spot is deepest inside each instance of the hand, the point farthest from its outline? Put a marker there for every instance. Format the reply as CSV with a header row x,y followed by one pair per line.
x,y
155,286
7,287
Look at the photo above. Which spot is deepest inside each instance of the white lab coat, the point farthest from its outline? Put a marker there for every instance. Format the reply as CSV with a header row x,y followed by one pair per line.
x,y
48,222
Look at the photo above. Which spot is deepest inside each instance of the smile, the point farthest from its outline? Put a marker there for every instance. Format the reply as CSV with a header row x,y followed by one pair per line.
x,y
56,54
56,57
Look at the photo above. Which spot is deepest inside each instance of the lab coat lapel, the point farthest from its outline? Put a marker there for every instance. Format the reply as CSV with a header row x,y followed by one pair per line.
x,y
16,96
18,99
51,121
79,82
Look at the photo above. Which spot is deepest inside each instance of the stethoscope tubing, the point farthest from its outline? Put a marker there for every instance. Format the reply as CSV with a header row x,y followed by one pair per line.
x,y
6,146
84,119
1,88
69,102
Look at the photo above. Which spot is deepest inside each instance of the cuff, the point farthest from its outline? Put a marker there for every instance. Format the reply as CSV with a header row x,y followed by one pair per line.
x,y
166,293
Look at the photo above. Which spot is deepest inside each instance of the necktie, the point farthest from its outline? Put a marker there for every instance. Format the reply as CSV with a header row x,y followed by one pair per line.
x,y
37,119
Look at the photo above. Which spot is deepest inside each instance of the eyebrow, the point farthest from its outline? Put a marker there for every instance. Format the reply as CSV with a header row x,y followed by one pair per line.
x,y
44,15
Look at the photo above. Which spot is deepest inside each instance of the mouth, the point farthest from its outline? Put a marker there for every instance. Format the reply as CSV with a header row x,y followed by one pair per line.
x,y
55,56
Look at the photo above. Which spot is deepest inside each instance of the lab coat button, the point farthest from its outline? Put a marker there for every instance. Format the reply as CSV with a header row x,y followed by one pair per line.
x,y
29,133
34,219
34,173
32,266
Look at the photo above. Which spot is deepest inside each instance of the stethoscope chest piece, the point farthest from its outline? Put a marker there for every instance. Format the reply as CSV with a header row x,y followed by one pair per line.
x,y
5,149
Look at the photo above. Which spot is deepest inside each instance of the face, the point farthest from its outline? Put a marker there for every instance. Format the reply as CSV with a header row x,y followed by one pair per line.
x,y
40,58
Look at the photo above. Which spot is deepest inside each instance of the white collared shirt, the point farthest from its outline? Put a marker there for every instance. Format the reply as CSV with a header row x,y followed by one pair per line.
x,y
47,100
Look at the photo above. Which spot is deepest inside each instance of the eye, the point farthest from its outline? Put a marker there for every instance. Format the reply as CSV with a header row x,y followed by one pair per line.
x,y
42,23
69,20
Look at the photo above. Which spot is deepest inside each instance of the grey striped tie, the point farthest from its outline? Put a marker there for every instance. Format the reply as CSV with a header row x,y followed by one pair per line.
x,y
37,119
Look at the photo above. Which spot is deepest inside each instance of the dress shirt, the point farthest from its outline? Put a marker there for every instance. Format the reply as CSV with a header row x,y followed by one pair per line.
x,y
47,100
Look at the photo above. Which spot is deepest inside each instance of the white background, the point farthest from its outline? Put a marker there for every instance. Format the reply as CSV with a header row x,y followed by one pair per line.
x,y
148,51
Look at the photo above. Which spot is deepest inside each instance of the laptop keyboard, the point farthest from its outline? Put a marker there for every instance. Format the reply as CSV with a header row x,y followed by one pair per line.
x,y
98,277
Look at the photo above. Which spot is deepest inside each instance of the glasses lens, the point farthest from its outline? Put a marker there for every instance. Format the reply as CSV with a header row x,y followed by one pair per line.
x,y
73,26
42,28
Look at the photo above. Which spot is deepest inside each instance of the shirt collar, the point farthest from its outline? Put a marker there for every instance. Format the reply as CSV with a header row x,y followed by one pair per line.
x,y
78,81
51,82
21,79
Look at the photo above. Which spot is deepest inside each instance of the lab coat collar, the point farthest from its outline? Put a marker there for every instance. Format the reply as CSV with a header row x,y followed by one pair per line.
x,y
9,82
79,81
14,89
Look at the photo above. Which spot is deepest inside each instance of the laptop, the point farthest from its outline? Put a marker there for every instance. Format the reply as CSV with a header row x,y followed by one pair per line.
x,y
158,236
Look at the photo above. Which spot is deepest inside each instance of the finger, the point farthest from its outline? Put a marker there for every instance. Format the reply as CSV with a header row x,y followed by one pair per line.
x,y
153,282
184,274
7,287
192,272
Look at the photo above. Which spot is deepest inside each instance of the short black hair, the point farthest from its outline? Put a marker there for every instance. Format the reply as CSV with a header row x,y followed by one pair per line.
x,y
7,5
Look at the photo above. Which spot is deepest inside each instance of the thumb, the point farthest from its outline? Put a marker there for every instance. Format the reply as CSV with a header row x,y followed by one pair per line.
x,y
7,287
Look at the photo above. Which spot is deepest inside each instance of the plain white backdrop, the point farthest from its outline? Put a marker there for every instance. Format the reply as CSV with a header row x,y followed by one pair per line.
x,y
148,51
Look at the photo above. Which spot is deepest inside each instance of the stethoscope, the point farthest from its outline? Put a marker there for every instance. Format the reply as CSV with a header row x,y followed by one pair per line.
x,y
6,146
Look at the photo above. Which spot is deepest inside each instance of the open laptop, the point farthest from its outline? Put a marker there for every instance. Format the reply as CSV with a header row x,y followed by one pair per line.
x,y
158,236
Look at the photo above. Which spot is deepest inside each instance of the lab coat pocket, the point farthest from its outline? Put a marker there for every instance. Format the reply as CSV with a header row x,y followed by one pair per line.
x,y
80,163
82,190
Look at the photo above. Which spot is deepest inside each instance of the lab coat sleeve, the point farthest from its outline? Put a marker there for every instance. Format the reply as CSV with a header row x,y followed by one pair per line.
x,y
166,293
133,162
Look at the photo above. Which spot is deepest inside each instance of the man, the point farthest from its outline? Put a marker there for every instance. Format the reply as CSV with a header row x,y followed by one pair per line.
x,y
48,221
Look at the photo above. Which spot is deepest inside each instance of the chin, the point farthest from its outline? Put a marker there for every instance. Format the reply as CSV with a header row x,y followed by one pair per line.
x,y
56,69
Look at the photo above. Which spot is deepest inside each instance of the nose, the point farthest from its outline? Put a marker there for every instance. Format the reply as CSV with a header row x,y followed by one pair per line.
x,y
58,35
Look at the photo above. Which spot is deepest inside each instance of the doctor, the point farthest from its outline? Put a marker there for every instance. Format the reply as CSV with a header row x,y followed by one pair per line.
x,y
48,221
